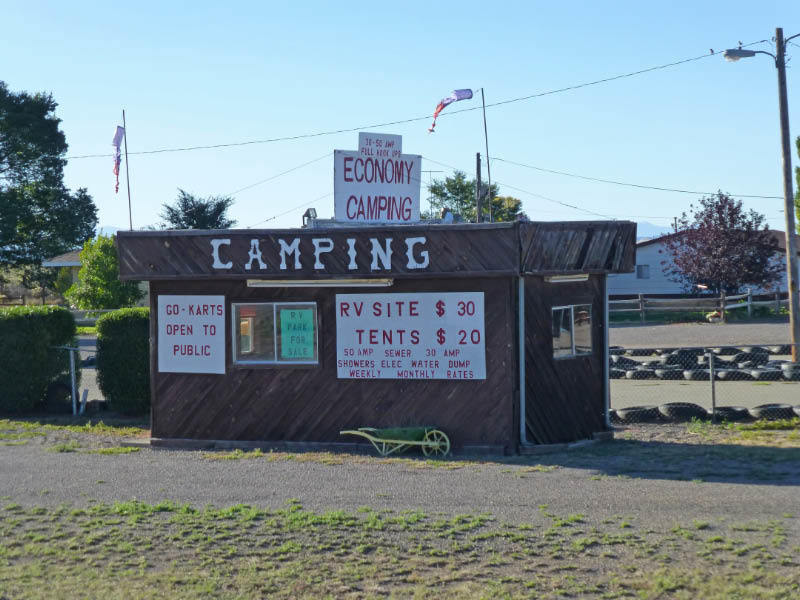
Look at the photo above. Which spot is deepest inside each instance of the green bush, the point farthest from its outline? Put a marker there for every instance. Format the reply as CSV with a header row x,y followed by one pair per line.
x,y
28,361
123,359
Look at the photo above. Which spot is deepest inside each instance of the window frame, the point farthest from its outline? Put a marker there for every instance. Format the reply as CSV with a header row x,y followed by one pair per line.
x,y
644,273
236,353
573,353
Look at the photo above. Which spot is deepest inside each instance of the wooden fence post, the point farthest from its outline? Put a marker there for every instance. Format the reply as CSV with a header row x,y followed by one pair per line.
x,y
777,303
749,303
641,307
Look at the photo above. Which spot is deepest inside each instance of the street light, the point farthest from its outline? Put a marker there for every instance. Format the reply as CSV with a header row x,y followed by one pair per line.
x,y
779,57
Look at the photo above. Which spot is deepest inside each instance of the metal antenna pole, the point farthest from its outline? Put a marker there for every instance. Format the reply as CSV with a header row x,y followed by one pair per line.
x,y
488,165
478,190
127,174
788,198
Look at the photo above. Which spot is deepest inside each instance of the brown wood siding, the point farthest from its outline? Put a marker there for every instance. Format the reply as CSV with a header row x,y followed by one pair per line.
x,y
578,247
311,404
563,397
487,250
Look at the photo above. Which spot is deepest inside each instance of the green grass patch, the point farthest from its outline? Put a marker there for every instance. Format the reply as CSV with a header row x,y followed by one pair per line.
x,y
134,549
86,330
114,450
70,446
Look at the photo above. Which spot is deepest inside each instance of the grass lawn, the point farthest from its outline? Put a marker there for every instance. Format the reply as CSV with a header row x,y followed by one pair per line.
x,y
136,550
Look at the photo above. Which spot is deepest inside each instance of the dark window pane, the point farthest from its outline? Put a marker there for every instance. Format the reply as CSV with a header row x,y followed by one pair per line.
x,y
562,331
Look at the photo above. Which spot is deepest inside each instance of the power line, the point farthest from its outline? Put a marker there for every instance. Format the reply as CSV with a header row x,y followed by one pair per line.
x,y
624,183
272,218
565,204
415,119
305,164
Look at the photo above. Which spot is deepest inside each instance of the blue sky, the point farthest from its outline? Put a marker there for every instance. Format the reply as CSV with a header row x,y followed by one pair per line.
x,y
214,73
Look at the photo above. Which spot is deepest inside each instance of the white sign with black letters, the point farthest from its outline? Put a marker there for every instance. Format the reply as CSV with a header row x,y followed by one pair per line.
x,y
191,334
425,335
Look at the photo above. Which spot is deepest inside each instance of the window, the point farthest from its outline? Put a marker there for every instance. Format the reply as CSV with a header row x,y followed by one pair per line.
x,y
572,330
275,333
642,271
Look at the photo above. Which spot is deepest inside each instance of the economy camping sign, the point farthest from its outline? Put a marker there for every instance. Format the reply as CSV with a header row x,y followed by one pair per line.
x,y
377,183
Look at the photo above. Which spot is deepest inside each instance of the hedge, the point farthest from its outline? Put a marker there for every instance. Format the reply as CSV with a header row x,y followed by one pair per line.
x,y
28,361
123,359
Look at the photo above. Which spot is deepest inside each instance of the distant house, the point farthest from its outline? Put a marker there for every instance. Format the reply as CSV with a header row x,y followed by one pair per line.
x,y
651,276
70,260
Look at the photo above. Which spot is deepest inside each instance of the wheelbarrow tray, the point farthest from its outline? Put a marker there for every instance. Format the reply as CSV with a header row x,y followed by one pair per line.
x,y
393,440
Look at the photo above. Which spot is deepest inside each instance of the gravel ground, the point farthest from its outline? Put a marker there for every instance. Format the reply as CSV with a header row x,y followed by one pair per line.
x,y
659,474
699,334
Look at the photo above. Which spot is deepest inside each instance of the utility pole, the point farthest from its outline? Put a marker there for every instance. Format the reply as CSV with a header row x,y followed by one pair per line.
x,y
788,196
478,202
127,173
488,164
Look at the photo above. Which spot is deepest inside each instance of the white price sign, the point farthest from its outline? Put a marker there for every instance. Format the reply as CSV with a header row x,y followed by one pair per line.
x,y
376,183
410,336
191,334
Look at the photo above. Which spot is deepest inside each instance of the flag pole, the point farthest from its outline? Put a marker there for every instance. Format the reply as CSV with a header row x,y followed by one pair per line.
x,y
127,175
488,164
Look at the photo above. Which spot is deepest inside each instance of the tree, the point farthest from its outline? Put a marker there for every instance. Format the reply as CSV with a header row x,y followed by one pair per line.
x,y
39,216
98,284
191,212
457,193
722,247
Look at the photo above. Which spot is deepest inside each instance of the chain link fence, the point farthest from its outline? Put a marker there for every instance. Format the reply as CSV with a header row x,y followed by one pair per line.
x,y
727,383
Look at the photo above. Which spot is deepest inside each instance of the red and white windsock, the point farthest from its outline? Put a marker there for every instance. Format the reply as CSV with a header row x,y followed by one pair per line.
x,y
117,142
454,97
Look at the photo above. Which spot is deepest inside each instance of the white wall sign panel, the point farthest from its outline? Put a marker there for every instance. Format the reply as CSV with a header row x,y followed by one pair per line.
x,y
426,335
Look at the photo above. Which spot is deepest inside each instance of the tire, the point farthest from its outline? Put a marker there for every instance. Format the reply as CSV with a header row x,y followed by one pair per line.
x,y
725,351
766,374
638,414
731,413
640,351
682,411
616,373
733,375
640,374
772,412
697,375
756,358
782,349
791,371
616,350
754,349
614,417
623,362
797,410
669,374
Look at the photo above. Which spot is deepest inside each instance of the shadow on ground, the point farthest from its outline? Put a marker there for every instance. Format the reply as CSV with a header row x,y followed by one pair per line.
x,y
726,463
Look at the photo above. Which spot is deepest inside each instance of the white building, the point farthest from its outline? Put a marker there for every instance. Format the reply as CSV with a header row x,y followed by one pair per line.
x,y
651,276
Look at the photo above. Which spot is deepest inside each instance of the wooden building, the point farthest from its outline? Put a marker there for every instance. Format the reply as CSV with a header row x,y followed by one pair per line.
x,y
495,333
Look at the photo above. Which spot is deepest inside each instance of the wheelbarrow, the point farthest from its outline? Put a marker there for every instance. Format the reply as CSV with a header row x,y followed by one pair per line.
x,y
432,441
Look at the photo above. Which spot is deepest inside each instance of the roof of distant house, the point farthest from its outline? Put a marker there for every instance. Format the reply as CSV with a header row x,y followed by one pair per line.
x,y
780,238
68,259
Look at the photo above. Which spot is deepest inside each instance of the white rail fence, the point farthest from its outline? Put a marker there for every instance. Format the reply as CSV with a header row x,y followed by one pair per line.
x,y
709,304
